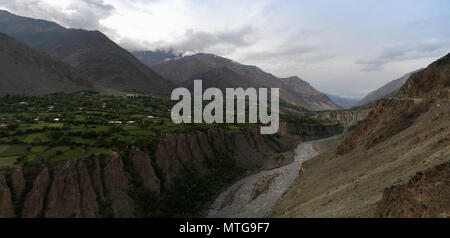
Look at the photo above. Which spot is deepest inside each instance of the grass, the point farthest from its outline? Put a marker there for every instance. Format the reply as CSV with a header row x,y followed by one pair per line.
x,y
3,147
36,137
40,126
60,153
38,149
7,161
14,150
79,152
233,128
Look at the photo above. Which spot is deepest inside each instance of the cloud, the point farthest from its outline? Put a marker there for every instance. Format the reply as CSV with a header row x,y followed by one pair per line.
x,y
320,44
84,14
202,41
402,52
281,52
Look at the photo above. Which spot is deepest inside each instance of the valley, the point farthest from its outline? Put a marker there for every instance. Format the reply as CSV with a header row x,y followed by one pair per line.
x,y
88,130
255,195
402,138
137,161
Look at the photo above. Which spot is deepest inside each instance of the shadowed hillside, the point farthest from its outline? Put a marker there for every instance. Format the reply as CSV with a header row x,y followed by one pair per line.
x,y
94,55
29,72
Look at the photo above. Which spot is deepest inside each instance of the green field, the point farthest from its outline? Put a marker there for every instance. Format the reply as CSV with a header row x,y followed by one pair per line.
x,y
13,150
7,161
87,126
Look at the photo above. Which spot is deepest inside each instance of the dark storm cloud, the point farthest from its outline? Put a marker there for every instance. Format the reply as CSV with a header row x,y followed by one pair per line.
x,y
402,52
84,14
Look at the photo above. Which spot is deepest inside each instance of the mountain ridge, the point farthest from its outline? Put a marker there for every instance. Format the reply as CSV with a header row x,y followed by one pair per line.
x,y
31,72
293,90
387,90
93,54
402,136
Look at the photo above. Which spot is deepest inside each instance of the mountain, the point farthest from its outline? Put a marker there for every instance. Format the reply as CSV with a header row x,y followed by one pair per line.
x,y
151,58
391,165
386,90
94,55
30,72
433,82
221,72
342,102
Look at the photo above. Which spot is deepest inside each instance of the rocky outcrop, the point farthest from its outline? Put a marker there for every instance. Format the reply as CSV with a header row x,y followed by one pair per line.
x,y
6,206
64,197
141,163
425,195
432,82
34,200
309,132
344,117
116,181
89,205
104,186
72,193
97,182
177,152
17,182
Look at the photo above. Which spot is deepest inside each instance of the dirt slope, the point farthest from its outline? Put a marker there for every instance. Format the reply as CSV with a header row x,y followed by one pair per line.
x,y
400,137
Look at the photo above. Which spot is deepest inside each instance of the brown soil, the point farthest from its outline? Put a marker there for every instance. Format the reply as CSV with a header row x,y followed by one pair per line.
x,y
350,184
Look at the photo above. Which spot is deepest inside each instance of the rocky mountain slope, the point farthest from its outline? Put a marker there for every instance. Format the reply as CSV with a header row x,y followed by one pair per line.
x,y
94,55
27,71
221,72
128,185
400,137
425,195
387,90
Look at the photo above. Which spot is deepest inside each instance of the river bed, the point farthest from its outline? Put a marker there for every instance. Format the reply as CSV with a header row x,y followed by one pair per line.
x,y
241,201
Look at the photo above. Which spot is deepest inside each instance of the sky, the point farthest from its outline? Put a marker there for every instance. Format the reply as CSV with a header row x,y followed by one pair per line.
x,y
346,48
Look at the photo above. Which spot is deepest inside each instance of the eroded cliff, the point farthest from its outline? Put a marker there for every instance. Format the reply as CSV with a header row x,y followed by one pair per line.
x,y
127,184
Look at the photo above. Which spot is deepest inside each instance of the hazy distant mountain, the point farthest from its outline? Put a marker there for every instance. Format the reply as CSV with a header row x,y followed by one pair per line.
x,y
26,71
386,90
342,102
151,58
94,55
221,72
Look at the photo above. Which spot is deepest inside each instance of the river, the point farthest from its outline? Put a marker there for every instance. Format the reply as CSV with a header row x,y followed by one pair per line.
x,y
240,200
